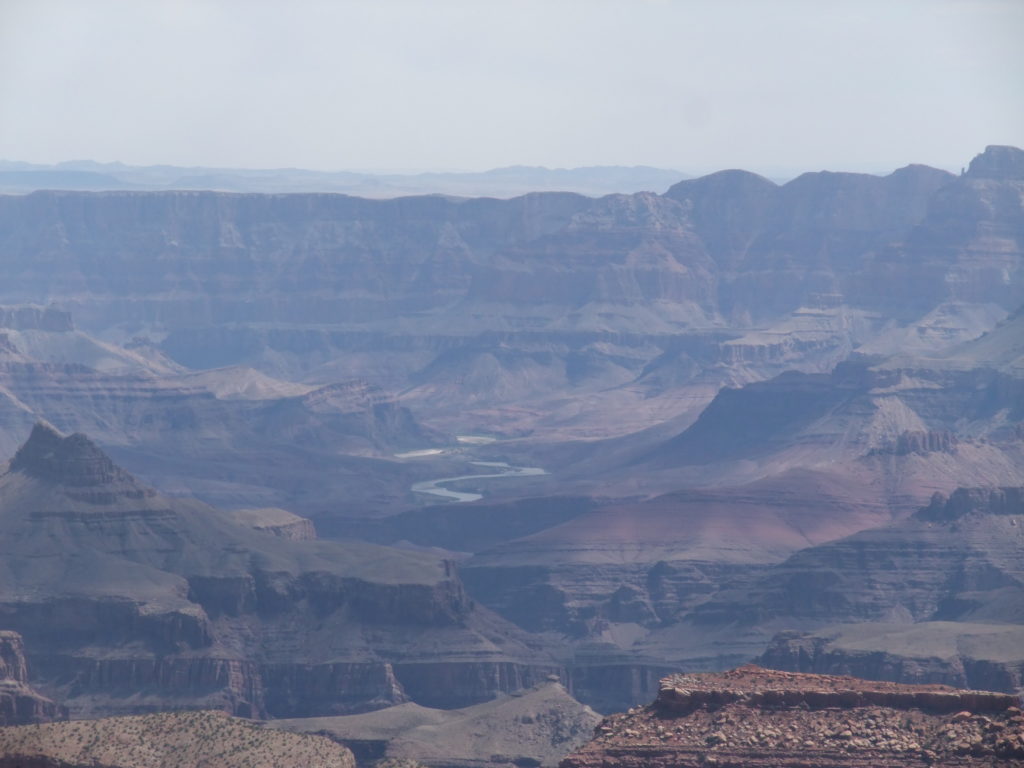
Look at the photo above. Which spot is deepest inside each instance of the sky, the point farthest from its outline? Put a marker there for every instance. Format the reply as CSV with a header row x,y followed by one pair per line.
x,y
776,86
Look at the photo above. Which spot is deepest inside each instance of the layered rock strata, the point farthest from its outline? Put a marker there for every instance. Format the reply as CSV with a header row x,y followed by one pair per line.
x,y
752,717
962,654
472,305
132,601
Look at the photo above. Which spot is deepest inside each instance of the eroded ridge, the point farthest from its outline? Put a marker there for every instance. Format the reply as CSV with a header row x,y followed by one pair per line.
x,y
754,717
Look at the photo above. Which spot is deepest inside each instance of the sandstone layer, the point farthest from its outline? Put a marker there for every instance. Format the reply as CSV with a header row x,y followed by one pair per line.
x,y
756,717
544,312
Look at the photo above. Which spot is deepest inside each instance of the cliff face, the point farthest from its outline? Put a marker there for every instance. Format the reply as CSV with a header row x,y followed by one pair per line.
x,y
755,717
20,704
618,250
466,305
131,601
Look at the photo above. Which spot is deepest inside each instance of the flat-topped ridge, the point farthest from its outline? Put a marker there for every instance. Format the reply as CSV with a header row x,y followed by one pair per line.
x,y
754,686
758,718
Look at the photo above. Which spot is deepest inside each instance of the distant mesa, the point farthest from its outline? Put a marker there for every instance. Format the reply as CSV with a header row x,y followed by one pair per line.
x,y
497,182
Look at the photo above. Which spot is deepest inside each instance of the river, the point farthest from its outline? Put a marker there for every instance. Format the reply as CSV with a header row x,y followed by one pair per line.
x,y
499,469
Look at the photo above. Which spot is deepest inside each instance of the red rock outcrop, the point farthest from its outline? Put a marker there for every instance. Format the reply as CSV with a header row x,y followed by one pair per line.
x,y
753,717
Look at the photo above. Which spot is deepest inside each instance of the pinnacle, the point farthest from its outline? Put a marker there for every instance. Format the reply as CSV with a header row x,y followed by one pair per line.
x,y
67,460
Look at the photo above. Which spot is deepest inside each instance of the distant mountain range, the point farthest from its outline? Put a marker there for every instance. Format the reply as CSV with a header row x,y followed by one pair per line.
x,y
86,175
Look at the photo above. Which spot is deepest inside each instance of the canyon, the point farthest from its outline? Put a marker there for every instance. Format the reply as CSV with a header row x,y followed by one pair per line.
x,y
349,463
130,601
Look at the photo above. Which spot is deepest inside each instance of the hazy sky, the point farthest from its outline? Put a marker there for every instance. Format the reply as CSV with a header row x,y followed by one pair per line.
x,y
770,85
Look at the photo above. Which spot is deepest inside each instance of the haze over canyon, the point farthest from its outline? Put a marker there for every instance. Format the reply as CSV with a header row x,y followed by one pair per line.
x,y
448,478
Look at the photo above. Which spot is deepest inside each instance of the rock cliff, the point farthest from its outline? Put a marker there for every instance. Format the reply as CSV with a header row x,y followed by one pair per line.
x,y
19,703
755,717
481,310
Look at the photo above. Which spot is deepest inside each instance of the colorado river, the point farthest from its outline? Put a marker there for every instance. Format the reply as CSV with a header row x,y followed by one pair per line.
x,y
434,487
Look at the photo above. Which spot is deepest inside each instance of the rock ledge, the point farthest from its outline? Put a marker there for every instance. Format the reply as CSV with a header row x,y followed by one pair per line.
x,y
753,717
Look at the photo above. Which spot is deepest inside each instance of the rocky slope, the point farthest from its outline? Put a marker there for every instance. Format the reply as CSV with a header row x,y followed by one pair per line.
x,y
132,601
532,728
19,703
755,717
167,740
